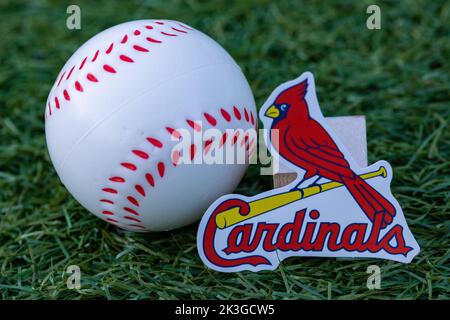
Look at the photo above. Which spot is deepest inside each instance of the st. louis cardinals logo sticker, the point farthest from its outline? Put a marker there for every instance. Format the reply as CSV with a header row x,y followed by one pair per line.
x,y
334,209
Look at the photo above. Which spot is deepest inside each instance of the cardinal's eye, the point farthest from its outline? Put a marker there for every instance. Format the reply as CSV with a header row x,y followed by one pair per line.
x,y
283,107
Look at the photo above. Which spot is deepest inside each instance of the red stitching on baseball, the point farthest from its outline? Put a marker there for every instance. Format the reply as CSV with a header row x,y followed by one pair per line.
x,y
140,190
155,142
110,190
208,144
150,179
107,201
60,79
70,73
212,121
237,114
159,22
78,86
95,56
125,58
150,39
133,201
131,211
132,218
223,140
246,115
82,63
66,95
141,154
112,220
178,30
252,119
49,108
108,68
107,212
139,48
175,157
161,169
168,34
245,139
117,179
108,51
160,166
91,77
173,132
129,166
57,102
250,145
235,137
194,125
182,25
225,115
192,151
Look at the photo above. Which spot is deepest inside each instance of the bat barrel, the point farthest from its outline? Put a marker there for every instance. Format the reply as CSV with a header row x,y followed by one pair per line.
x,y
232,216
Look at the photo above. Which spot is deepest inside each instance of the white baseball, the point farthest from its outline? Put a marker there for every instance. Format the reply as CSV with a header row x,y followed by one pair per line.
x,y
111,116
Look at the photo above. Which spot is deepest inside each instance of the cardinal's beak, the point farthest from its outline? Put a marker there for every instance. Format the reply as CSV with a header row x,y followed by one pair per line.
x,y
272,112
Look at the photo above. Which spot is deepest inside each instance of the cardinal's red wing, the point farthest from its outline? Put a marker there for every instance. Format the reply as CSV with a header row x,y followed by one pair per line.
x,y
329,161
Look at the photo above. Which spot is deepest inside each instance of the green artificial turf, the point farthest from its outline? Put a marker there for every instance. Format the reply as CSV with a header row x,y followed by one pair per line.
x,y
398,77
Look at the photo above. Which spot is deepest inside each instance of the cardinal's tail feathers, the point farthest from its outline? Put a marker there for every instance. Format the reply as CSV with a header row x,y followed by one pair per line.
x,y
370,200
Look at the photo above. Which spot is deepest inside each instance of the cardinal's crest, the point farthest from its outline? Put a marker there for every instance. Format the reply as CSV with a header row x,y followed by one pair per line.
x,y
334,208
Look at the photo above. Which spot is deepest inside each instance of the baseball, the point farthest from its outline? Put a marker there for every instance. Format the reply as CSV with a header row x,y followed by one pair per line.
x,y
113,117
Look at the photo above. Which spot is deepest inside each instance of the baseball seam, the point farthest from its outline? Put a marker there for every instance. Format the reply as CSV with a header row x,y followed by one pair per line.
x,y
65,89
111,193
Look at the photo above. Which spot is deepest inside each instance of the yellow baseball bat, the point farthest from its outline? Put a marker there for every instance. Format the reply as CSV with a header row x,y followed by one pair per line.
x,y
232,216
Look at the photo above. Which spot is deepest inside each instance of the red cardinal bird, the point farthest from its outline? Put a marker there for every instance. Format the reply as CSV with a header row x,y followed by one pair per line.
x,y
306,144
